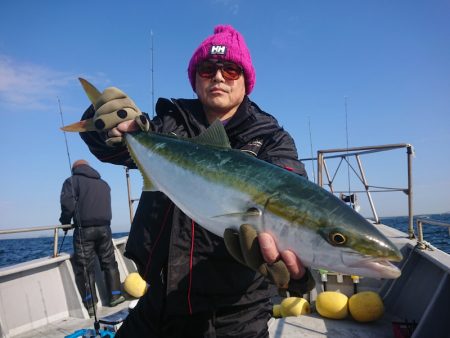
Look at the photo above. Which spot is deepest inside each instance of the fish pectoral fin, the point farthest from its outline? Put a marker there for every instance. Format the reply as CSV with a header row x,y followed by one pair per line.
x,y
215,135
80,126
245,215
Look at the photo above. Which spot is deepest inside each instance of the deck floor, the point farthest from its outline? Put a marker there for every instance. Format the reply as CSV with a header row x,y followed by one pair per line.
x,y
311,325
62,328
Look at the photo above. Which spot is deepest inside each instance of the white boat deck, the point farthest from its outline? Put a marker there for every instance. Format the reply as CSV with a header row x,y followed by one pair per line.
x,y
39,299
69,325
311,325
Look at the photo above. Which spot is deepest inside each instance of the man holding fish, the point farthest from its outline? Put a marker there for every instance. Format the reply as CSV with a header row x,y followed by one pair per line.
x,y
225,214
196,287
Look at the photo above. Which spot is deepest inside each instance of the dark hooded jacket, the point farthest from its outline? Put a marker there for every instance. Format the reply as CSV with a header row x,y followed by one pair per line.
x,y
85,198
188,268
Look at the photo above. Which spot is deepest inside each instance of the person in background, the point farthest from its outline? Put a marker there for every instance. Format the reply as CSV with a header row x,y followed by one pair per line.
x,y
86,199
200,284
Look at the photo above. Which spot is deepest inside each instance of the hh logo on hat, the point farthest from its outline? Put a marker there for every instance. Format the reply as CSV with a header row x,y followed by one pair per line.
x,y
218,50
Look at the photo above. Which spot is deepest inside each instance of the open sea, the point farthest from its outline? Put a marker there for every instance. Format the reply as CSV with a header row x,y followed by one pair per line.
x,y
14,251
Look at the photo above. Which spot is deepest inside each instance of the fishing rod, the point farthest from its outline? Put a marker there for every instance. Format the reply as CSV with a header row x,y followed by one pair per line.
x,y
79,228
62,242
70,166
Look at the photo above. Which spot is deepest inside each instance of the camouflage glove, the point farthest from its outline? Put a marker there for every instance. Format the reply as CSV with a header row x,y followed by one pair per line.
x,y
244,247
298,287
112,107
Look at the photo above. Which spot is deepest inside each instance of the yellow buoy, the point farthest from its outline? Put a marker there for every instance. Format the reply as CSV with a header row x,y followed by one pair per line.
x,y
332,304
366,306
294,306
276,311
134,285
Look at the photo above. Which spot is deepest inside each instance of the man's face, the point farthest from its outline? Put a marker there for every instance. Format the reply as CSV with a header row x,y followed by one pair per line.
x,y
216,90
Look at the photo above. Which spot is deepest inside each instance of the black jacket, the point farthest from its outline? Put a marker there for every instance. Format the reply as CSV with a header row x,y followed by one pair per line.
x,y
85,198
188,268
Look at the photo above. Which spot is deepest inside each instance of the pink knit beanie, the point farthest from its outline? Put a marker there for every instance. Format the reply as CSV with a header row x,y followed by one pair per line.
x,y
225,44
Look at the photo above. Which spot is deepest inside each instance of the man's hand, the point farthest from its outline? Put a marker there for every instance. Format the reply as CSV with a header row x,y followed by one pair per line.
x,y
116,114
115,135
260,253
271,254
67,229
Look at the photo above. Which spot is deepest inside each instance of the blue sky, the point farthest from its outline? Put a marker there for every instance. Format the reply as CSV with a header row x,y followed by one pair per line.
x,y
388,60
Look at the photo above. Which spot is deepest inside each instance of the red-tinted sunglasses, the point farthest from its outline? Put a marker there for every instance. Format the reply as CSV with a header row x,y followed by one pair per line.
x,y
229,70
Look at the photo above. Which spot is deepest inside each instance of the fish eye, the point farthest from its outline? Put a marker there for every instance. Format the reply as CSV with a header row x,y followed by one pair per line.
x,y
336,238
254,211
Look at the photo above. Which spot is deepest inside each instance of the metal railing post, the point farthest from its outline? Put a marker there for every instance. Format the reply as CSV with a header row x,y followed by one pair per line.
x,y
55,242
420,244
327,173
410,152
319,168
366,187
130,201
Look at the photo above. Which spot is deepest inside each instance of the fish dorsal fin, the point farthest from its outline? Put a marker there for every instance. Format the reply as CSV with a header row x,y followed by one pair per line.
x,y
215,135
92,93
85,125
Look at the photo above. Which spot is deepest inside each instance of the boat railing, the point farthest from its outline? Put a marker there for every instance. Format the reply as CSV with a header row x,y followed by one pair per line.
x,y
131,200
421,243
344,155
55,229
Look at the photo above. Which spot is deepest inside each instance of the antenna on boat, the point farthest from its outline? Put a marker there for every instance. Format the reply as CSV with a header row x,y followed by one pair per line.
x,y
311,148
351,198
86,275
153,87
346,137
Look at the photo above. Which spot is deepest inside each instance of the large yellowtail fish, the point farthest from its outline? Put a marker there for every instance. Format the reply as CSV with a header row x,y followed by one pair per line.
x,y
221,188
